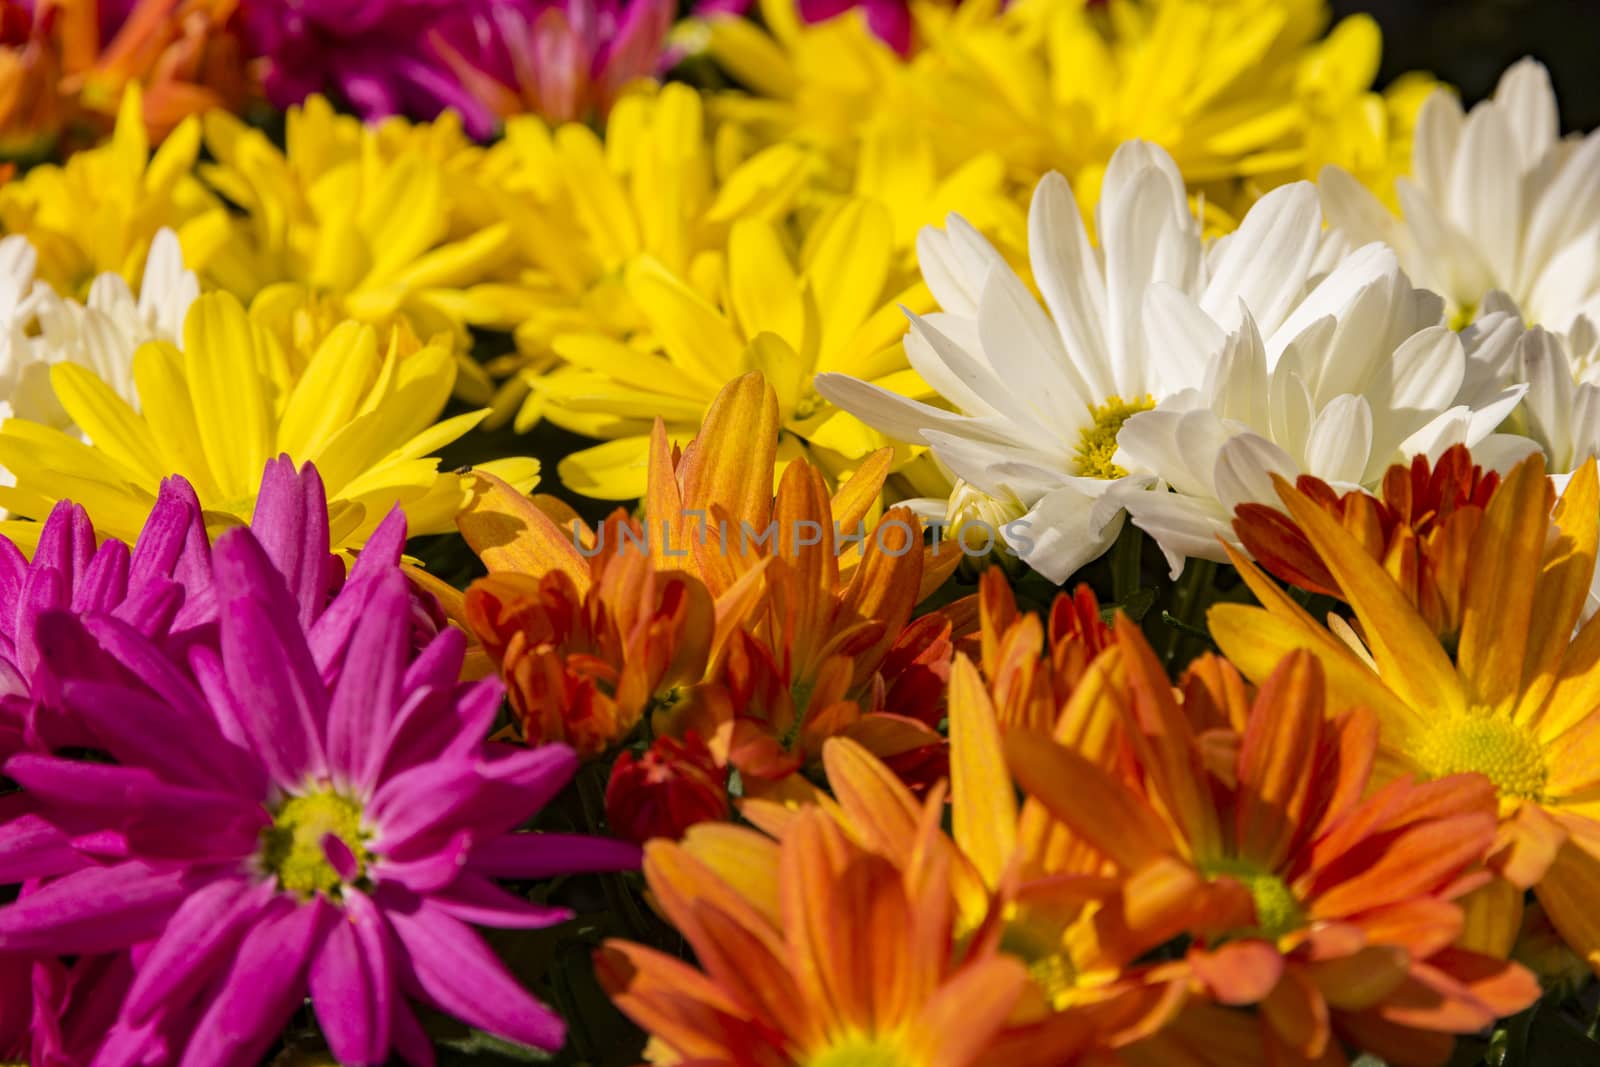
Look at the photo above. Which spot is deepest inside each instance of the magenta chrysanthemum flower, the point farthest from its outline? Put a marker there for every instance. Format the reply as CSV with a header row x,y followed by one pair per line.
x,y
486,59
294,809
146,586
889,20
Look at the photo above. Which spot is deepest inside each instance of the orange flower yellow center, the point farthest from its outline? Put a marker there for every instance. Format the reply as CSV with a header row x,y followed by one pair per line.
x,y
1491,745
861,1051
1097,444
1278,912
1042,952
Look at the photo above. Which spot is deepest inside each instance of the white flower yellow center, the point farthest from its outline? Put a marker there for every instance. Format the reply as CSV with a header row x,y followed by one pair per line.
x,y
1097,443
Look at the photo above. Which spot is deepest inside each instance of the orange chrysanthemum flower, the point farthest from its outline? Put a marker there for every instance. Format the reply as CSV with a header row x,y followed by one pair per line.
x,y
55,70
814,951
1020,878
1420,530
829,647
1032,671
1331,913
582,627
1519,701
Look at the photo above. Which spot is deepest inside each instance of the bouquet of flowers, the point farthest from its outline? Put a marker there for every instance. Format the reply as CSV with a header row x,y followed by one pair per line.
x,y
791,533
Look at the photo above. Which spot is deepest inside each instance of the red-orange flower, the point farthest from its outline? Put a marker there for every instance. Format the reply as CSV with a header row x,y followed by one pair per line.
x,y
813,950
673,786
1333,915
1420,530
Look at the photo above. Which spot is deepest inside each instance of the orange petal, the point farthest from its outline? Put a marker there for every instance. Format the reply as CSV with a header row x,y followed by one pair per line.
x,y
1506,555
1280,745
1239,972
1563,587
730,461
1567,892
1098,807
510,533
1298,1014
1409,657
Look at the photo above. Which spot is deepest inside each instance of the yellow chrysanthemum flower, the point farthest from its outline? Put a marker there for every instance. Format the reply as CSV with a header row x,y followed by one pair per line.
x,y
582,210
99,210
837,89
231,399
376,224
1241,93
835,305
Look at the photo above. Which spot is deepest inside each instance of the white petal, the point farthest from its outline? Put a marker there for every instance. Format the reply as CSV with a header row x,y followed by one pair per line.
x,y
997,468
1447,259
956,263
1352,209
1236,381
1244,470
1184,527
1182,342
1068,274
1567,210
1427,371
1025,350
1054,537
1268,258
1340,442
1528,102
1550,400
1433,151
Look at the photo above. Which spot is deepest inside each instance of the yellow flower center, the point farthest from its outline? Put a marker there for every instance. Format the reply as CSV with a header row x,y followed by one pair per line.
x,y
291,848
1463,316
1278,912
1041,950
1098,443
1492,745
861,1051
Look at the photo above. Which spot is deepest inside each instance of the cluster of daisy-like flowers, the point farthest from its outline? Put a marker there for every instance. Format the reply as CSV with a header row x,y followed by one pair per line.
x,y
876,325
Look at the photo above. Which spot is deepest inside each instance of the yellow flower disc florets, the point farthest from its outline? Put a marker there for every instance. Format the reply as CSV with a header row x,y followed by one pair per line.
x,y
1042,950
860,1052
1098,443
1493,746
1278,911
291,848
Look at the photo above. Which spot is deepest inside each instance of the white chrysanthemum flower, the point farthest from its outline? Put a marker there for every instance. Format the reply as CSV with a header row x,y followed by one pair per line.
x,y
1039,395
1363,377
1561,373
1497,201
39,328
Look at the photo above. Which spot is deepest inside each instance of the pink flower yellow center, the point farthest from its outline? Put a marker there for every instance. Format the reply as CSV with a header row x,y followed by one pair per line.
x,y
293,847
1097,444
1491,745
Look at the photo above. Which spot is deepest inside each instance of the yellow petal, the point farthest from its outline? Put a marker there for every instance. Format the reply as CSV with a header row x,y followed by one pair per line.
x,y
983,800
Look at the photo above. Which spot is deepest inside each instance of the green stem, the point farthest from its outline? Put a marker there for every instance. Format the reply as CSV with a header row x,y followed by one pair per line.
x,y
1514,1053
1190,598
1125,556
619,900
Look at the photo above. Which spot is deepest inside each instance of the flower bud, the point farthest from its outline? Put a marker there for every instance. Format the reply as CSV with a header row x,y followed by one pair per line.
x,y
674,785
